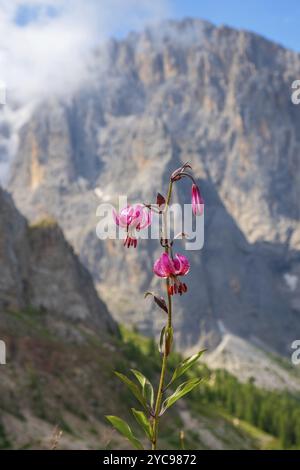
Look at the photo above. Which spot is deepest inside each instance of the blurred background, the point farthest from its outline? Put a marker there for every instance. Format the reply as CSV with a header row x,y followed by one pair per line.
x,y
106,99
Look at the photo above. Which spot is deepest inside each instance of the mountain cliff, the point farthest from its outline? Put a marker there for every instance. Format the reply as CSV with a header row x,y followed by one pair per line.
x,y
39,270
185,91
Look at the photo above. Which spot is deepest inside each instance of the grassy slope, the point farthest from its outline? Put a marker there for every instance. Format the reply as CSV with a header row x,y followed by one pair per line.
x,y
50,381
205,425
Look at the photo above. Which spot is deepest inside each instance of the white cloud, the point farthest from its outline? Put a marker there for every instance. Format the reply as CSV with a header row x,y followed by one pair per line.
x,y
48,55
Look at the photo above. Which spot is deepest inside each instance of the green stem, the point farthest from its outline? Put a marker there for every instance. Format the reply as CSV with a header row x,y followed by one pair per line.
x,y
168,326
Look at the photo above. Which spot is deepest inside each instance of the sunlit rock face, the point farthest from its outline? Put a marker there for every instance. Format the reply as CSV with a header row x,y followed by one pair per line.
x,y
188,91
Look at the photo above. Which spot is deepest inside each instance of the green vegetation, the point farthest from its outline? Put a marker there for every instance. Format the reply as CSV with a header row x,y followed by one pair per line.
x,y
45,222
276,413
72,385
257,411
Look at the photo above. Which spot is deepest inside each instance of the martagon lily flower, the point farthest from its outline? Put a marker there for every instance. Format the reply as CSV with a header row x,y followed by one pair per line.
x,y
197,200
172,267
133,219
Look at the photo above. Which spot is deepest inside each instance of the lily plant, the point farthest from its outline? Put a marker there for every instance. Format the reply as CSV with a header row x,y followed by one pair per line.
x,y
171,267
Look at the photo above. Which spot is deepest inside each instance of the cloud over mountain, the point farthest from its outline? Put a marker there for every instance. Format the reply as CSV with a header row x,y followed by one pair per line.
x,y
45,44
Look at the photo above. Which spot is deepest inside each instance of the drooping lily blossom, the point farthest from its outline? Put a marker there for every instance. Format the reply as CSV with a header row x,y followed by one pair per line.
x,y
172,267
197,200
133,219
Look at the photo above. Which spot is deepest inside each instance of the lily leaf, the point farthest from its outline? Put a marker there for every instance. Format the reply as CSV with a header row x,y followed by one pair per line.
x,y
185,365
133,388
160,200
143,422
158,300
182,390
140,377
147,389
125,430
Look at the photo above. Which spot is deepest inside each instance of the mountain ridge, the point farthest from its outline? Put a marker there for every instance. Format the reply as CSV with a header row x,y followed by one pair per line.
x,y
220,101
41,272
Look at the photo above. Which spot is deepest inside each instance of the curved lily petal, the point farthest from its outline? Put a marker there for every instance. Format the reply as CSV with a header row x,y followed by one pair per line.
x,y
181,264
137,216
167,264
158,269
147,219
138,211
119,219
163,267
197,200
126,215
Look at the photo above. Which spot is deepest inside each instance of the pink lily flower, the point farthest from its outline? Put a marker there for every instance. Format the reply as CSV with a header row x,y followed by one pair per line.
x,y
197,200
167,267
133,219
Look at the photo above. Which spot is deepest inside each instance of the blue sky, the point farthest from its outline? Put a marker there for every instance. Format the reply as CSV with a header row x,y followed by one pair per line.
x,y
45,44
278,20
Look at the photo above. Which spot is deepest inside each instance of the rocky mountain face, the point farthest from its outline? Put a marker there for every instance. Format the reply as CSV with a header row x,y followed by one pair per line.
x,y
40,271
186,91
